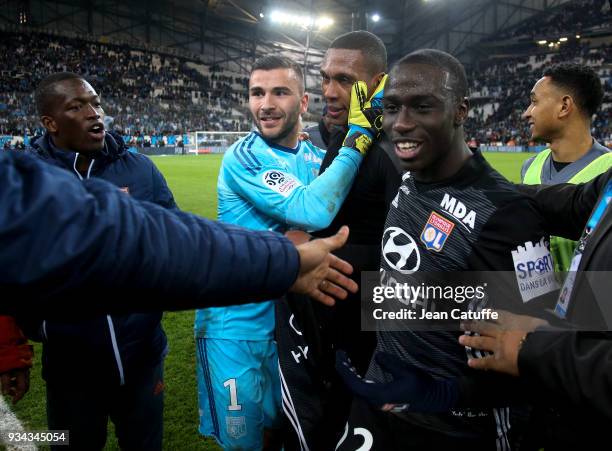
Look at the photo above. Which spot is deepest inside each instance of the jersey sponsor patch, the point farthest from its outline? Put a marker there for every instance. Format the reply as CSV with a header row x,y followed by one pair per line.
x,y
534,269
400,251
458,210
436,232
280,182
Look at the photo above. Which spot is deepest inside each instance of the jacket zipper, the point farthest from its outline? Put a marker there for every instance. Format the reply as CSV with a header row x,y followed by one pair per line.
x,y
111,327
76,158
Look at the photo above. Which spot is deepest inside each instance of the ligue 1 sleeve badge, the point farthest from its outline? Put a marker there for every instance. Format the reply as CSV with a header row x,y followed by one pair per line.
x,y
436,232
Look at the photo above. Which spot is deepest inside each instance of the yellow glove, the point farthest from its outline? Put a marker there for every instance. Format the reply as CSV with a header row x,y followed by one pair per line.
x,y
365,116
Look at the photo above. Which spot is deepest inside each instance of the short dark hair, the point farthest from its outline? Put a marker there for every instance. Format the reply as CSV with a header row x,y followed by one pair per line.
x,y
45,90
271,62
442,60
370,45
582,81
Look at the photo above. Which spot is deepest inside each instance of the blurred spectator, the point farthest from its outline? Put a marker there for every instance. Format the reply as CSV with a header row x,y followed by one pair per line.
x,y
144,92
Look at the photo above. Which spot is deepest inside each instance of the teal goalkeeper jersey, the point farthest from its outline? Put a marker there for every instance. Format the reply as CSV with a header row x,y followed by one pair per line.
x,y
264,186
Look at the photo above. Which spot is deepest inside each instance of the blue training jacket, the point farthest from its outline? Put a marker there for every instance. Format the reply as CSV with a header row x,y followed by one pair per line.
x,y
82,248
109,348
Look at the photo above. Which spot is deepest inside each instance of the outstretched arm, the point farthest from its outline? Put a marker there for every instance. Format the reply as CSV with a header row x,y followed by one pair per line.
x,y
67,246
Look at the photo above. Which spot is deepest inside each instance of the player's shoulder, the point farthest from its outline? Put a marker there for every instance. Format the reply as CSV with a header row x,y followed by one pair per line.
x,y
137,158
249,154
526,165
307,147
500,191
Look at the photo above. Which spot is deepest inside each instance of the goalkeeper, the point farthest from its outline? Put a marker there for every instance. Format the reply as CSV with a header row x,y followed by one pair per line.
x,y
268,181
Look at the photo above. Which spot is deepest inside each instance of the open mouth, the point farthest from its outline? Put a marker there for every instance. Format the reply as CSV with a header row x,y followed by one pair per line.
x,y
96,131
334,112
407,149
270,121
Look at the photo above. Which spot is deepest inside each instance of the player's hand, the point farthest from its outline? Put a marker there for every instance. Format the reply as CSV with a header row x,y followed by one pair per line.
x,y
322,275
15,383
298,236
502,337
365,116
411,389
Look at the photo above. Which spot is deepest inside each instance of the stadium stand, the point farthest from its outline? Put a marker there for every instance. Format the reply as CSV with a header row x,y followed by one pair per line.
x,y
155,96
577,31
145,93
572,17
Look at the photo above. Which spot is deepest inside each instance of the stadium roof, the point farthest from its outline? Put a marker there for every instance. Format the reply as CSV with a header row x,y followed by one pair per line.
x,y
233,32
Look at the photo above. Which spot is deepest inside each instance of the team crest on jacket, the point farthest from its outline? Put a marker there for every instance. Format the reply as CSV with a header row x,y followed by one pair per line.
x,y
436,232
236,427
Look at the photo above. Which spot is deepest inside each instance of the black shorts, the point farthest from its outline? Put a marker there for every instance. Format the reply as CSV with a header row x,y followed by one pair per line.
x,y
370,429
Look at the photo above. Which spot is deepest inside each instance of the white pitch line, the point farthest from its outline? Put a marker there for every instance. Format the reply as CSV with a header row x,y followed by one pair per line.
x,y
10,423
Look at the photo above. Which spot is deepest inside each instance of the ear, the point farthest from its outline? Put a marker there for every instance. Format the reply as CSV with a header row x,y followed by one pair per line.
x,y
49,123
304,104
566,107
461,112
376,80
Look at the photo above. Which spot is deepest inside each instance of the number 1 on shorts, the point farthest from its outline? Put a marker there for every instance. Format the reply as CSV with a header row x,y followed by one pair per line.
x,y
231,383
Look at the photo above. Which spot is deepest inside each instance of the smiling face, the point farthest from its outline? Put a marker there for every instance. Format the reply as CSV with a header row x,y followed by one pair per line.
x,y
541,114
422,119
75,119
276,101
339,70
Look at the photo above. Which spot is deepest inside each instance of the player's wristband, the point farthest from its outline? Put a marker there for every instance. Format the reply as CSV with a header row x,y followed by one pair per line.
x,y
358,139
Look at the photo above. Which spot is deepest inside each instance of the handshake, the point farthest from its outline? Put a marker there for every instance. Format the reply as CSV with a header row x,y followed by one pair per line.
x,y
322,275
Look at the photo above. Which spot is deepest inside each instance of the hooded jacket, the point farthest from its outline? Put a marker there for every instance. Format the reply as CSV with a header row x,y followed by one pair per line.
x,y
111,348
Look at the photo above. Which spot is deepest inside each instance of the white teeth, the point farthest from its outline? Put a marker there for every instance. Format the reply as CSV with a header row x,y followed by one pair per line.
x,y
407,145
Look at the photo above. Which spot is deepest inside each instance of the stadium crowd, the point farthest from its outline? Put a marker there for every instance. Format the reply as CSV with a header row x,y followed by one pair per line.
x,y
143,92
571,17
150,94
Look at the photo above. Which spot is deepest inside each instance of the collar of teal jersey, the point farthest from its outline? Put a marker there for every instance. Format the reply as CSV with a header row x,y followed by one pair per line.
x,y
279,147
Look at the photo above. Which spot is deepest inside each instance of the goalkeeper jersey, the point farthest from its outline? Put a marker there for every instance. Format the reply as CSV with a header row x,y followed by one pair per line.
x,y
265,186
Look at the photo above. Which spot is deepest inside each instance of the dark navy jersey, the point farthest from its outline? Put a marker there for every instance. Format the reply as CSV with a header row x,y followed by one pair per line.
x,y
473,221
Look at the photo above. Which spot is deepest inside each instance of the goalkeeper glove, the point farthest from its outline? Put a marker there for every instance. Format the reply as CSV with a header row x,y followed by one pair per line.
x,y
365,116
412,389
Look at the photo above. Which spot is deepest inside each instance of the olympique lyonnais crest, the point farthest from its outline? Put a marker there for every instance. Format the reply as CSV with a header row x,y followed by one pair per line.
x,y
436,232
236,427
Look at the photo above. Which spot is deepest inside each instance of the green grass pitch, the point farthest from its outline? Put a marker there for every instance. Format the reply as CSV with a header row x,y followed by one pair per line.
x,y
193,180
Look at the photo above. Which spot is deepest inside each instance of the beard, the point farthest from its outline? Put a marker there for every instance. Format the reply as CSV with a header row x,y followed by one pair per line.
x,y
285,131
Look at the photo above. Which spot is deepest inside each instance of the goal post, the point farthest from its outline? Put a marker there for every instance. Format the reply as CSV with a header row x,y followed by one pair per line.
x,y
205,142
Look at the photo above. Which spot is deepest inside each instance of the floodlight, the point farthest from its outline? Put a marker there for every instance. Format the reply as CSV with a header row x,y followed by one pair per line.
x,y
562,39
300,20
543,42
375,18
